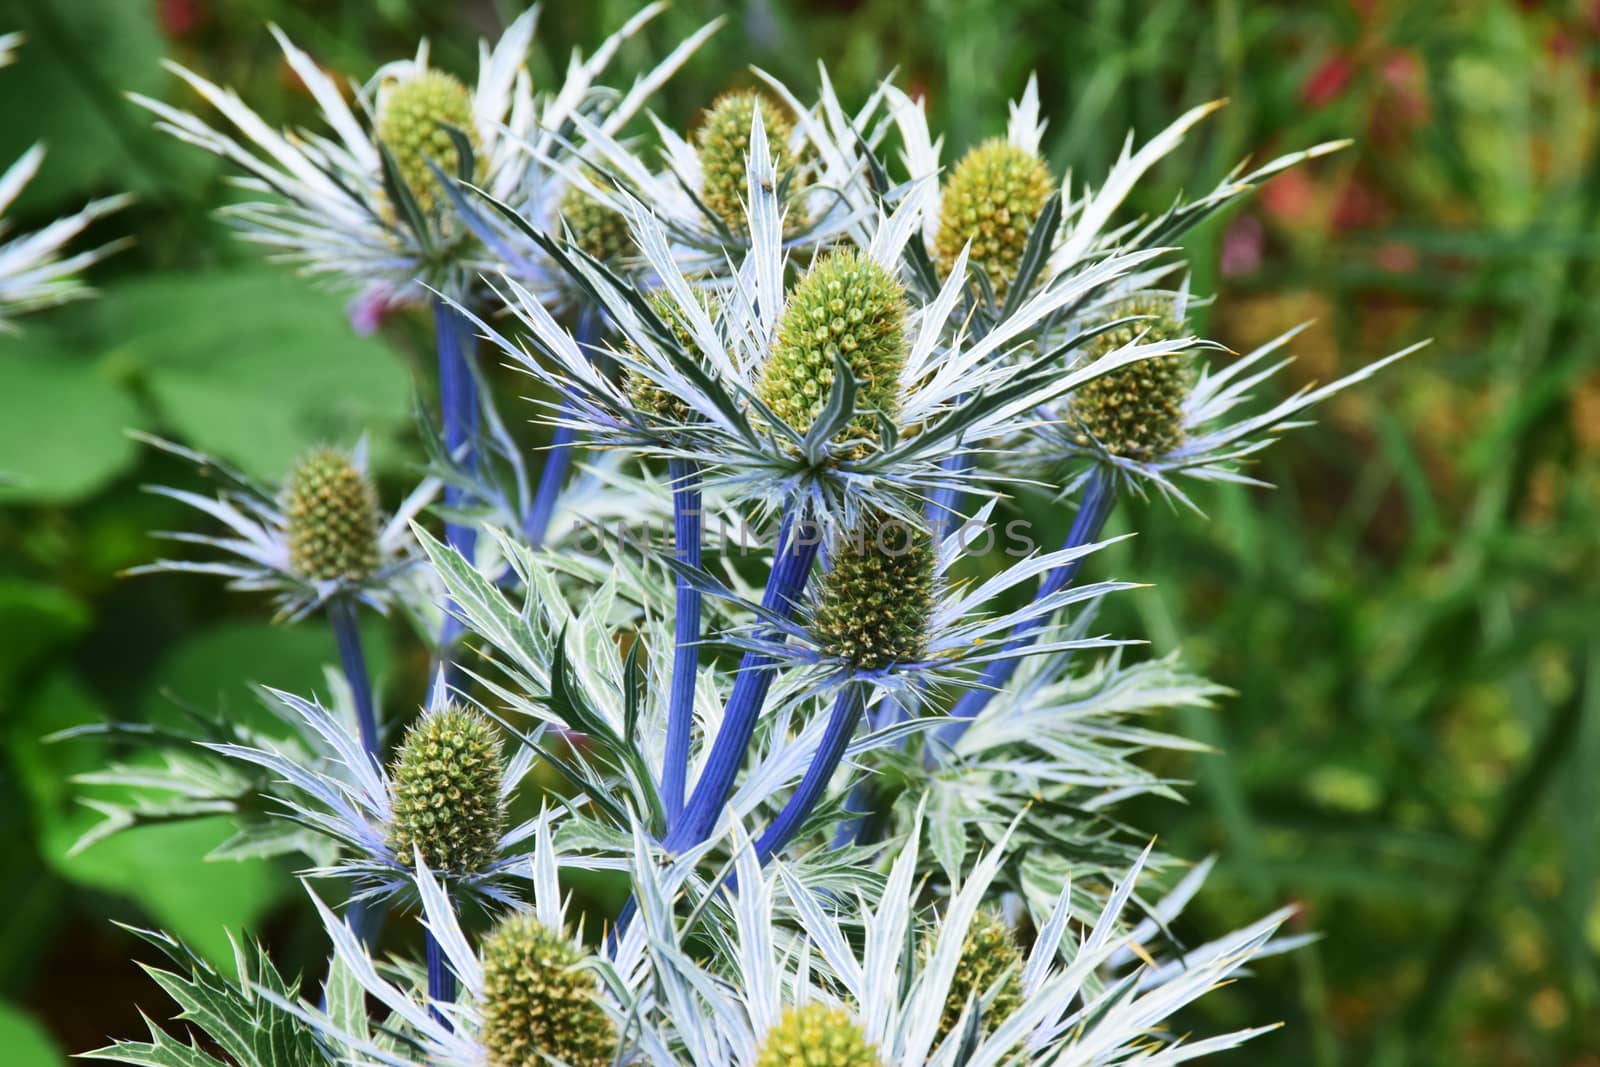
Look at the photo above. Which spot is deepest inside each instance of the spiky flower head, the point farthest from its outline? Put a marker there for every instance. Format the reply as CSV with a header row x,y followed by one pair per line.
x,y
878,595
415,117
989,955
992,198
332,513
539,1007
723,144
648,396
847,306
445,791
1137,410
816,1035
599,230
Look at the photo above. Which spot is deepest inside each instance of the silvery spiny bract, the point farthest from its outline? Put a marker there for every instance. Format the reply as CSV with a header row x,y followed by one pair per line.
x,y
861,773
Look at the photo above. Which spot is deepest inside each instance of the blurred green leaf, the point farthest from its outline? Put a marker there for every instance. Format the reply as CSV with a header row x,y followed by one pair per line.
x,y
34,618
78,60
257,366
161,867
25,1042
64,434
216,671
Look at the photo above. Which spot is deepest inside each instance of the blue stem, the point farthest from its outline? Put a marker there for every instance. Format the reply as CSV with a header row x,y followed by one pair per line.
x,y
458,412
558,458
842,723
687,527
944,506
1099,496
441,980
347,635
790,568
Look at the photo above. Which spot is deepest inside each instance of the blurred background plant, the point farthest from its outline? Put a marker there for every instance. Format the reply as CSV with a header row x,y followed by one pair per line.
x,y
1427,785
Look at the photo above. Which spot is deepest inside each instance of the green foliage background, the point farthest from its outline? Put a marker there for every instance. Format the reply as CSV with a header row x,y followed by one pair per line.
x,y
1409,620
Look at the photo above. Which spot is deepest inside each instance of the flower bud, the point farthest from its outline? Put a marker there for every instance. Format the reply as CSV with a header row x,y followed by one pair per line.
x,y
445,792
600,231
816,1036
1137,410
989,952
877,597
412,118
992,198
332,512
646,395
539,1007
723,145
845,306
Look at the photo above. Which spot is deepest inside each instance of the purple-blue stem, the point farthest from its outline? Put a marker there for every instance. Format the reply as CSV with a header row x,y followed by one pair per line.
x,y
842,723
797,549
687,526
347,635
1099,496
458,411
441,981
365,919
558,457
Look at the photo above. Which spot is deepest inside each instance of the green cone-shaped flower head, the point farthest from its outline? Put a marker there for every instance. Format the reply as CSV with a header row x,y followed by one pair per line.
x,y
723,145
1136,411
600,231
445,790
992,198
646,395
989,955
538,1006
412,116
846,306
875,601
332,512
816,1036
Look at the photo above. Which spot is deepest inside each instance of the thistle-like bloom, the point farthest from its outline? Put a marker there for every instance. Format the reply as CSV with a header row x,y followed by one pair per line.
x,y
991,200
988,973
538,1004
844,396
446,793
722,148
886,611
1080,1003
1145,426
33,272
816,1035
846,312
318,537
444,799
822,173
373,200
529,994
332,511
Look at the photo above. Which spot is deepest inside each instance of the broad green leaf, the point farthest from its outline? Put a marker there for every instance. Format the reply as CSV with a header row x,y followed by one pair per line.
x,y
65,89
161,868
257,366
63,423
35,619
25,1042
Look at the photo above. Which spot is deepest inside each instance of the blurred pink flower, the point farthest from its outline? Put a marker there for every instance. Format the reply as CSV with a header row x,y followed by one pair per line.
x,y
1242,246
368,309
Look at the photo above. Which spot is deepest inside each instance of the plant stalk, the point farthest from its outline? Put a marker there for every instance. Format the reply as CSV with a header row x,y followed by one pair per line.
x,y
1099,497
687,528
797,550
846,716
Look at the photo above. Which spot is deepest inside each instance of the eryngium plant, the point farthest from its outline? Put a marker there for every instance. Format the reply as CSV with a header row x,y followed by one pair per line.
x,y
859,762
